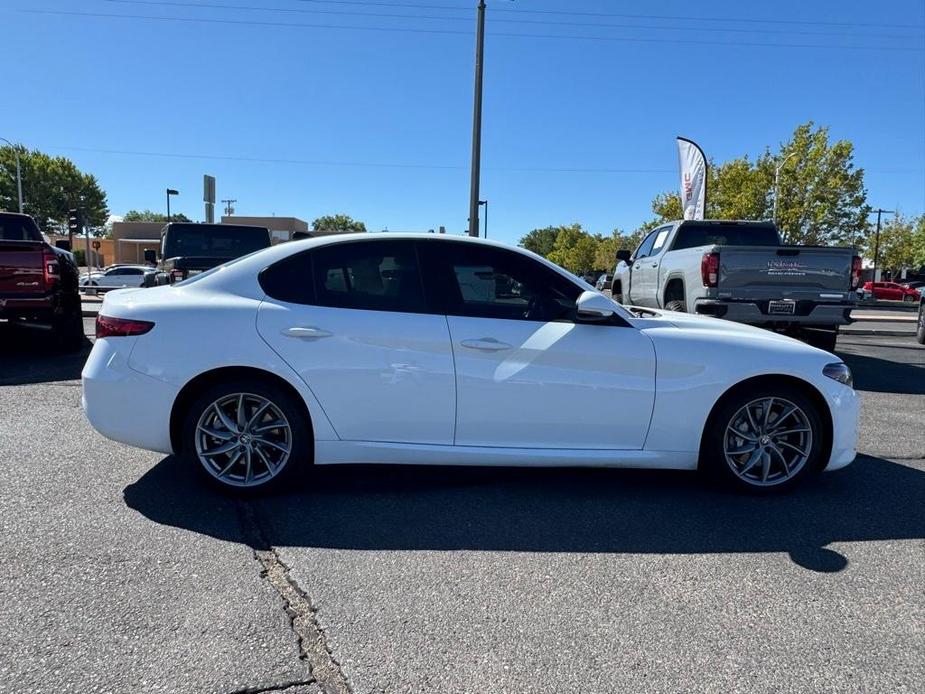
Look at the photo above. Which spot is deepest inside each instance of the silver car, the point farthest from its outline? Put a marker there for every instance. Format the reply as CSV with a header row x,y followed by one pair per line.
x,y
116,277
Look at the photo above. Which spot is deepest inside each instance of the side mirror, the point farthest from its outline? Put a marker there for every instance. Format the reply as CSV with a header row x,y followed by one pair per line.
x,y
63,244
150,256
624,256
592,306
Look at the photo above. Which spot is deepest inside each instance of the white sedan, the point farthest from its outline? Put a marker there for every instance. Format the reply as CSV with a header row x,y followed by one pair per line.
x,y
116,277
406,348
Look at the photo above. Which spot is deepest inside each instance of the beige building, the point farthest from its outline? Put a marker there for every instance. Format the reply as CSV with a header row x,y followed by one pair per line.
x,y
132,239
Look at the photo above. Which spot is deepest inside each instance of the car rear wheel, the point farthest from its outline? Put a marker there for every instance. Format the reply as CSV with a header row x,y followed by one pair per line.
x,y
764,440
676,305
247,437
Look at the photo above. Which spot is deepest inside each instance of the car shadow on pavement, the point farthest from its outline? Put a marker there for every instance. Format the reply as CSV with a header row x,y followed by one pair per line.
x,y
27,356
887,376
547,510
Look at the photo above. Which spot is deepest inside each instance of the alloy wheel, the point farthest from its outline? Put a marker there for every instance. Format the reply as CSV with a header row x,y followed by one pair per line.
x,y
768,441
243,440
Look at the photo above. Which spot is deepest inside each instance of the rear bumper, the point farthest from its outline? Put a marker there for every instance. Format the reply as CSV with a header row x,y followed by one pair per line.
x,y
122,404
752,313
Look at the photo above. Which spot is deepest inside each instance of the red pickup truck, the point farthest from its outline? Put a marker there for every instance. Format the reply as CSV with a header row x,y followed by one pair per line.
x,y
38,282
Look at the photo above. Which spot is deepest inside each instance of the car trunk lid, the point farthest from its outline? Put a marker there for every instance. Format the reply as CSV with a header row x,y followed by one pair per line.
x,y
22,268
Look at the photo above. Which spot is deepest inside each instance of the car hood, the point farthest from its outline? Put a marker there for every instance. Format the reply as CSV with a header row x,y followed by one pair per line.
x,y
717,329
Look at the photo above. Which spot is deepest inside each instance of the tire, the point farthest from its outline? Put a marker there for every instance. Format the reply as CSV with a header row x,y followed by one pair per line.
x,y
920,331
821,339
616,293
677,305
270,468
908,298
744,471
68,328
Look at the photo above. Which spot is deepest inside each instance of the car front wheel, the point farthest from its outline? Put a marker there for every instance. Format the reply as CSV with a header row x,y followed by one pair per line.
x,y
764,440
247,436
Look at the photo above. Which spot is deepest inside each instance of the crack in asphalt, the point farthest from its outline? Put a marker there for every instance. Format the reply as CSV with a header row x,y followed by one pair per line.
x,y
281,687
313,648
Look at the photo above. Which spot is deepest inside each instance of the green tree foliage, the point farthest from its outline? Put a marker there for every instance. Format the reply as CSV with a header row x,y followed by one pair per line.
x,y
338,222
902,244
541,241
51,186
577,250
151,216
822,199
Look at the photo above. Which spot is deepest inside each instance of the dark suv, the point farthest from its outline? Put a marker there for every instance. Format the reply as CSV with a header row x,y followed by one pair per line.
x,y
188,248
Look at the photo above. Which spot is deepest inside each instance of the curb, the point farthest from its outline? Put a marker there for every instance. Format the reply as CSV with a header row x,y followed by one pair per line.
x,y
882,333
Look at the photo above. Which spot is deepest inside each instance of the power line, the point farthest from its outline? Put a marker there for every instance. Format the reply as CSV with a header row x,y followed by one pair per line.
x,y
626,15
417,30
359,164
496,20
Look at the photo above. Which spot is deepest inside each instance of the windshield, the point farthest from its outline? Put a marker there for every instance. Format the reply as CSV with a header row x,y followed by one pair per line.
x,y
691,235
214,241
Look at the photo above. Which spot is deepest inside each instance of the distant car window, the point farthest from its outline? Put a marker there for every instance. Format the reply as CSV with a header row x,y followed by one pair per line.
x,y
660,236
370,275
495,283
645,248
133,271
694,234
16,229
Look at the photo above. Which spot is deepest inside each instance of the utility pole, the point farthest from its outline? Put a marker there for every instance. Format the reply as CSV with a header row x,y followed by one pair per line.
x,y
18,172
477,125
229,210
485,202
877,239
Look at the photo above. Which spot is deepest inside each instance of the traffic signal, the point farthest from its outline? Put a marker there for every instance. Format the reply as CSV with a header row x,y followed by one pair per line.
x,y
73,221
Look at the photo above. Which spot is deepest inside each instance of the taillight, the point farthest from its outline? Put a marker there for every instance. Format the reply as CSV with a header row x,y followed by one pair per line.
x,y
855,272
709,269
176,275
50,268
107,326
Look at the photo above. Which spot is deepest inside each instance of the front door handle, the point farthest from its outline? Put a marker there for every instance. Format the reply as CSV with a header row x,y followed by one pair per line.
x,y
654,265
486,344
307,332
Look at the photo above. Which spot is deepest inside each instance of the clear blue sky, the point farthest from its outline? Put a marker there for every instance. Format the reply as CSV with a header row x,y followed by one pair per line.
x,y
377,124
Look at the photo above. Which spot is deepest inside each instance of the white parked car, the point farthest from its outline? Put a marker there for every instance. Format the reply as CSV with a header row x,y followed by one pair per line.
x,y
116,277
426,349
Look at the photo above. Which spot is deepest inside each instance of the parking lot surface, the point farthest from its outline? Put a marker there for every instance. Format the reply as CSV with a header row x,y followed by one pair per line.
x,y
121,573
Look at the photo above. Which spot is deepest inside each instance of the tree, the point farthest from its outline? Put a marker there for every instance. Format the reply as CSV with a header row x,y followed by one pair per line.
x,y
51,186
918,244
338,222
541,241
605,257
897,244
574,249
822,199
151,216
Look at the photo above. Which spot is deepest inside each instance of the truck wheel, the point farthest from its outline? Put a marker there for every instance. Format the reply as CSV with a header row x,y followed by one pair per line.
x,y
920,333
822,339
676,305
68,330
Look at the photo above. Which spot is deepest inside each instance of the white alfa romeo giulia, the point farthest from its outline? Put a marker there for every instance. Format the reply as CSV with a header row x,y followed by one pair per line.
x,y
403,348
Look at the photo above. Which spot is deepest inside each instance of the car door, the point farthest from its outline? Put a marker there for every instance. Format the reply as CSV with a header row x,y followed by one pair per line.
x,y
528,375
649,285
645,272
353,321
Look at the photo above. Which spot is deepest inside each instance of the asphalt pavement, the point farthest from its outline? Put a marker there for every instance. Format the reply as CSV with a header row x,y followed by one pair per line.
x,y
122,574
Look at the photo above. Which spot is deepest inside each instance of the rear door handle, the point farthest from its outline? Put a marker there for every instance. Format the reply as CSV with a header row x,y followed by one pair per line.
x,y
307,332
486,344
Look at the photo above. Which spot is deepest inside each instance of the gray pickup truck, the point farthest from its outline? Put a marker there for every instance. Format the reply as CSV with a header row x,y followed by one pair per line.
x,y
742,271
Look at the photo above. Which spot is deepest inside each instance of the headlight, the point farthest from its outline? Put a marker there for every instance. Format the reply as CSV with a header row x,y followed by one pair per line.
x,y
840,372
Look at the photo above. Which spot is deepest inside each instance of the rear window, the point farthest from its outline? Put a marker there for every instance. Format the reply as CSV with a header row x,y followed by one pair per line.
x,y
213,241
17,229
693,235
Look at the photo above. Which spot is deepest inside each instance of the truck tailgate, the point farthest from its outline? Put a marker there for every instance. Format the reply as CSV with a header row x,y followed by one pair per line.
x,y
21,271
782,272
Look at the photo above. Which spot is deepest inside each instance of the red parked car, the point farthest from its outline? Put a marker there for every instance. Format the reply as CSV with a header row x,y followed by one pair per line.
x,y
891,291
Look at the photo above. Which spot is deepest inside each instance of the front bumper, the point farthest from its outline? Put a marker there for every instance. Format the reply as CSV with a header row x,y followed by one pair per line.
x,y
122,404
755,313
845,408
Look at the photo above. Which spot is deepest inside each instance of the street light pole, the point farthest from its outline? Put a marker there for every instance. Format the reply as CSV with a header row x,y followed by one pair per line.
x,y
170,191
18,173
877,239
777,182
477,125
